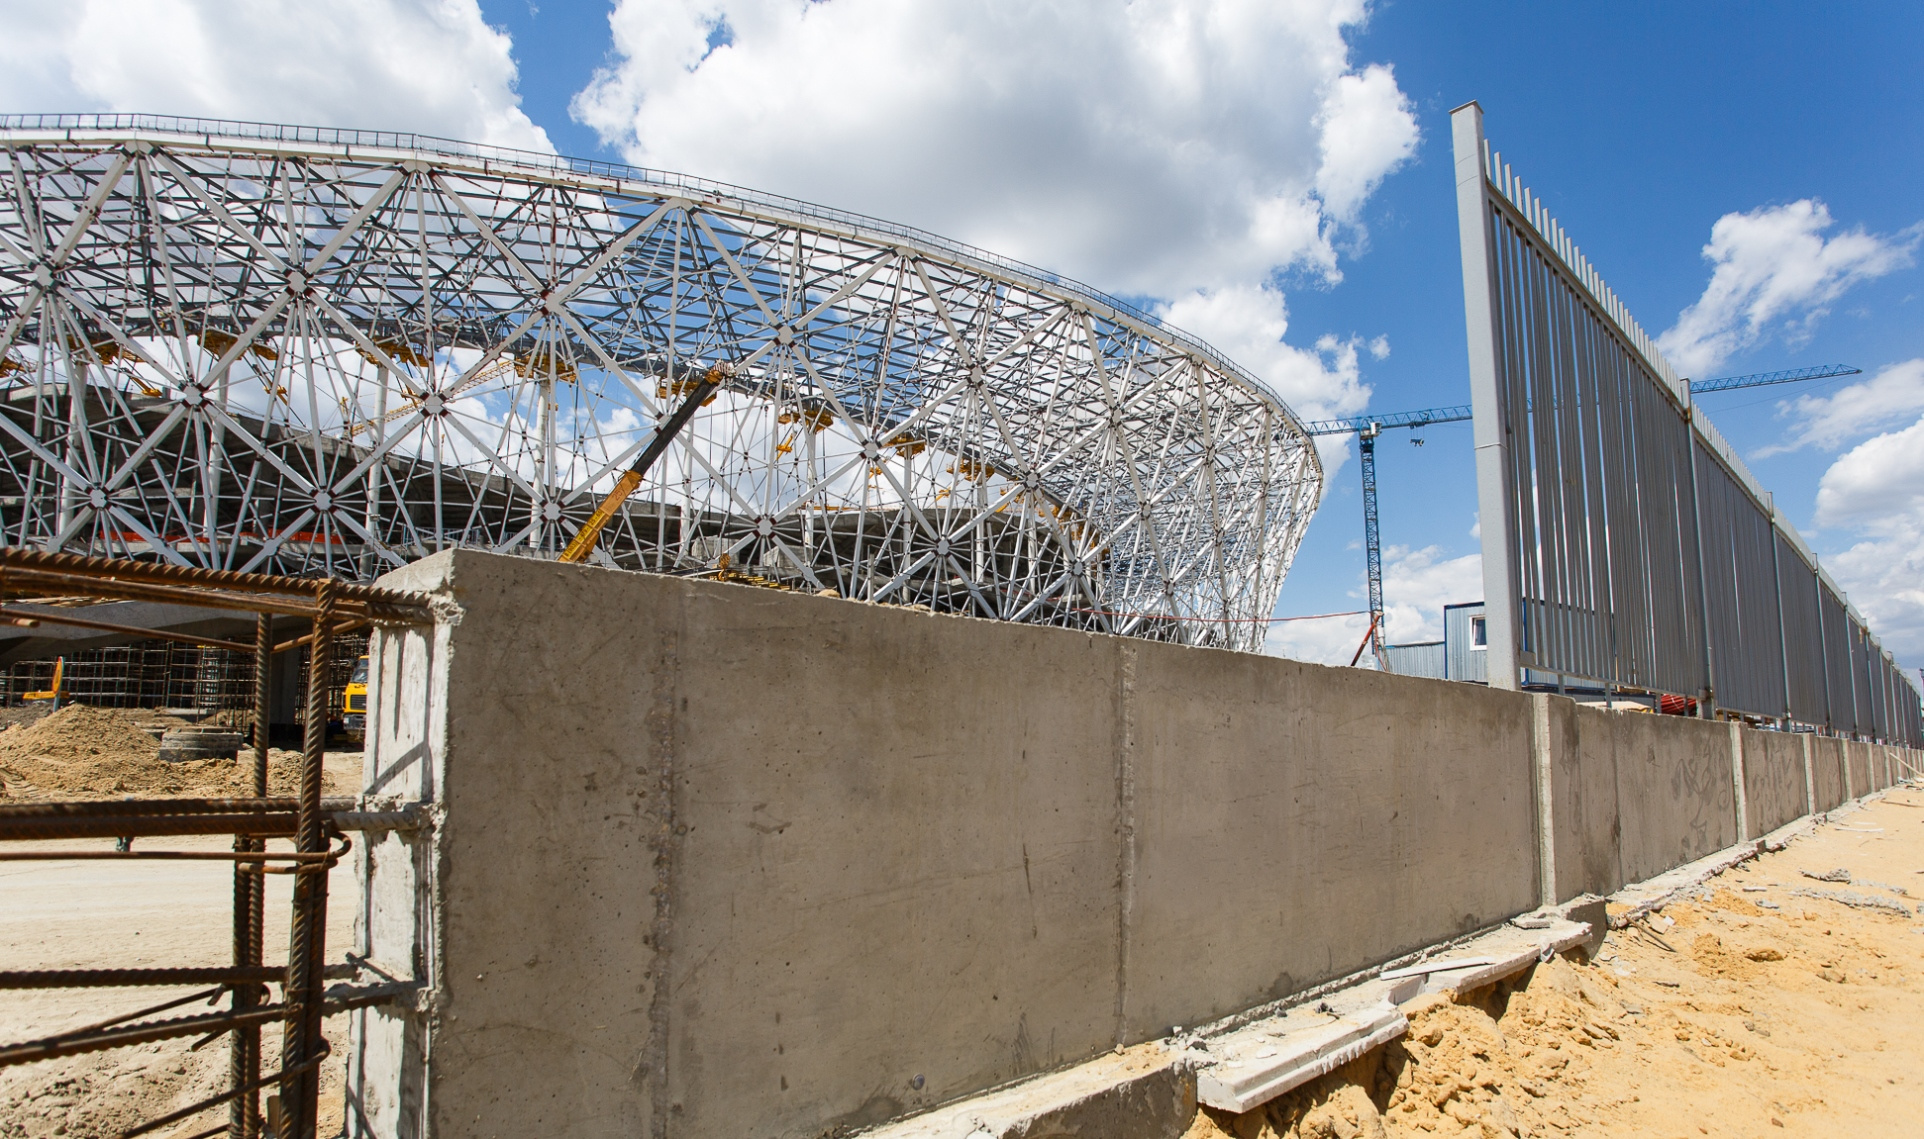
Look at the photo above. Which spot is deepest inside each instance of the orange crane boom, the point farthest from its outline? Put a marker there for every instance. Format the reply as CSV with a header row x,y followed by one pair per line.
x,y
584,539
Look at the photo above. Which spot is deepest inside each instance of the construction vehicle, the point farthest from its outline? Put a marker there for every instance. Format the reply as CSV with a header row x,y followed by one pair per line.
x,y
354,703
699,392
53,692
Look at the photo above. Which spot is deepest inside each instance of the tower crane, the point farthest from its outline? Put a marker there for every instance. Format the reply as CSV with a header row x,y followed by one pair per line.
x,y
1367,428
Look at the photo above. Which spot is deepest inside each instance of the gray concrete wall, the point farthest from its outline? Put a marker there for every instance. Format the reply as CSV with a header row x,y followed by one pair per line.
x,y
1265,790
1588,832
1773,779
905,856
1674,791
1827,771
714,860
1828,760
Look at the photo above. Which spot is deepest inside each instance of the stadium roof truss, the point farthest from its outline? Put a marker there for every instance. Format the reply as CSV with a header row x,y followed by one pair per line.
x,y
330,352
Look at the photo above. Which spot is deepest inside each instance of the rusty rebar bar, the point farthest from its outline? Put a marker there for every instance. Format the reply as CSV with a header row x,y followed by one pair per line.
x,y
165,573
73,1044
137,818
21,575
250,910
136,978
112,627
301,1028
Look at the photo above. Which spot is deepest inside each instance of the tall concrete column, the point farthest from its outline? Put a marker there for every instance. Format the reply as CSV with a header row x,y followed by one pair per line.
x,y
1492,429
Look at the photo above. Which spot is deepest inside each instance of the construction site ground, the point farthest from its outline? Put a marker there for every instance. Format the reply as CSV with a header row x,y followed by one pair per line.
x,y
103,914
1783,997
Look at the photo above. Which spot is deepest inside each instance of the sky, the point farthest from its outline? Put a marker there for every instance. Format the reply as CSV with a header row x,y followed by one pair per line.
x,y
1272,175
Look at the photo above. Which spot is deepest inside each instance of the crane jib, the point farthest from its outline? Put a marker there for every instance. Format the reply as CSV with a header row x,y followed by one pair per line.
x,y
584,539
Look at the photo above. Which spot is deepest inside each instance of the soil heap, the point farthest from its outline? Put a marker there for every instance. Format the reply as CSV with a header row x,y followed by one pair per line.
x,y
80,752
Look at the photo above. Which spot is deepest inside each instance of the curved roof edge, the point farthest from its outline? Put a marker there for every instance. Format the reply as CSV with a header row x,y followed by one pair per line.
x,y
212,132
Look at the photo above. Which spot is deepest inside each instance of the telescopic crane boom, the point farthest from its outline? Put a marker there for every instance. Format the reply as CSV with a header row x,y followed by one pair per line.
x,y
584,540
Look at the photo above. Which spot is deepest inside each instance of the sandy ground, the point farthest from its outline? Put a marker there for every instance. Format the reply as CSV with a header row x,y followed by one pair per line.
x,y
1768,1003
97,914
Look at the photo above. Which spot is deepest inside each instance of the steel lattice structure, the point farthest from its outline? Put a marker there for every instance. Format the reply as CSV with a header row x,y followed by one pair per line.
x,y
324,352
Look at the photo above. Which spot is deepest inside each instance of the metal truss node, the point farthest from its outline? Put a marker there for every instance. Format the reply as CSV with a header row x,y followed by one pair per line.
x,y
327,353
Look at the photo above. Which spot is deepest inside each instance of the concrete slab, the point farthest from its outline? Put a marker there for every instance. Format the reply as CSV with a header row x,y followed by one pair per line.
x,y
1588,823
1144,1092
1674,791
1264,1061
1773,779
1264,788
1634,901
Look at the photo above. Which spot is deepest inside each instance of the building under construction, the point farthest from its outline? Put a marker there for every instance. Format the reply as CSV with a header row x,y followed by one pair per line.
x,y
324,352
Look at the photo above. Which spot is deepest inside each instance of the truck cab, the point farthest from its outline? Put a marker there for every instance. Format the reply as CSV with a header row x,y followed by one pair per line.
x,y
354,703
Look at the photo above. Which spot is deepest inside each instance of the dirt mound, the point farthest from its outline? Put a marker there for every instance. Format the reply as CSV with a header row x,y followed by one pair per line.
x,y
99,753
1482,1067
1751,1007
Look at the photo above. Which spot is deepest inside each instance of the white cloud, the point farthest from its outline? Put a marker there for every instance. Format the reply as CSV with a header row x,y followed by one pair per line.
x,y
1876,491
1893,394
1183,151
1367,131
1775,272
1324,640
1247,323
431,66
1417,584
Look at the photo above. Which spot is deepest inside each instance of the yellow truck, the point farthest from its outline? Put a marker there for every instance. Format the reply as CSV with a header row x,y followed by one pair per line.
x,y
354,703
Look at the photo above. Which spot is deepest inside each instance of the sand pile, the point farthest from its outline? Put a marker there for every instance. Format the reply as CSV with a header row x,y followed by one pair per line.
x,y
1480,1068
97,753
1785,997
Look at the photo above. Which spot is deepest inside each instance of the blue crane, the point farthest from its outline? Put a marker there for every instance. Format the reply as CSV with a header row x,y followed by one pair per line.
x,y
1366,428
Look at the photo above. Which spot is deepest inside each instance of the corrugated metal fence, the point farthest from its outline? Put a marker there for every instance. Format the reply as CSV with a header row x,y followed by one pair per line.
x,y
1633,544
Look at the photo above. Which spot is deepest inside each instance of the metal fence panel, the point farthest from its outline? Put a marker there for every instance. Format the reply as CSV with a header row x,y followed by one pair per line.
x,y
1740,591
1624,540
1803,633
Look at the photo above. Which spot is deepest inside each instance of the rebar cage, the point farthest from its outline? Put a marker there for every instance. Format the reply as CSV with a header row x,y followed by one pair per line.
x,y
318,829
331,352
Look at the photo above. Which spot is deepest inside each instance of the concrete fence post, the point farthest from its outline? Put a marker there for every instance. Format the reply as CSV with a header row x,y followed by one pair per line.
x,y
1737,779
1810,779
1844,760
1543,755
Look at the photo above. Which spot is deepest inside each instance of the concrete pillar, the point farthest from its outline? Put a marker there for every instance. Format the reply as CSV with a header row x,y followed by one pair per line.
x,y
1737,779
1810,778
1543,764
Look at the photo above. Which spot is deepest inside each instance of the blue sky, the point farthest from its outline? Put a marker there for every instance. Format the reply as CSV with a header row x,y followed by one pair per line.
x,y
1274,175
1640,125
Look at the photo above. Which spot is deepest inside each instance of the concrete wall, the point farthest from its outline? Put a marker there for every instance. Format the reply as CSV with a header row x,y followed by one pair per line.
x,y
714,860
1588,822
1264,790
1827,771
1674,791
1774,792
1858,755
